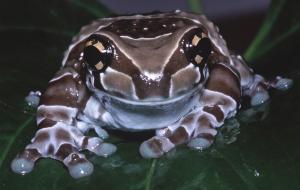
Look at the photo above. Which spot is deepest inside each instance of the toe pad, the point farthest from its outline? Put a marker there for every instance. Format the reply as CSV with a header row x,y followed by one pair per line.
x,y
199,143
106,149
147,152
259,98
79,170
283,84
22,166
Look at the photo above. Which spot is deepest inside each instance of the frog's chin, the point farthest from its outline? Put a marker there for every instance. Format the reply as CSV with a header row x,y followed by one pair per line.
x,y
152,114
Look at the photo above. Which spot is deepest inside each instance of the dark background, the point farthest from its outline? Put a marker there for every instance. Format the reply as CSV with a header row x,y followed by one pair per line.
x,y
237,19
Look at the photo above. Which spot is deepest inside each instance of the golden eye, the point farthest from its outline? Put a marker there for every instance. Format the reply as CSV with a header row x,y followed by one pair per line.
x,y
196,40
96,44
98,53
198,59
99,65
197,47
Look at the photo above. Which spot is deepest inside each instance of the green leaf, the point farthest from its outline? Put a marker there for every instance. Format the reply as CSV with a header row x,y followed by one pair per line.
x,y
282,23
63,17
150,175
261,154
195,6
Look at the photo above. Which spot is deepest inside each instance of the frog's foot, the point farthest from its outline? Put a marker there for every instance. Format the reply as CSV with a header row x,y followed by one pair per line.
x,y
33,98
62,142
280,83
259,93
257,89
259,96
196,130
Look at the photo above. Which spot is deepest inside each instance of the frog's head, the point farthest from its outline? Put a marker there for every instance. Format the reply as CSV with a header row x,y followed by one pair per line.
x,y
147,58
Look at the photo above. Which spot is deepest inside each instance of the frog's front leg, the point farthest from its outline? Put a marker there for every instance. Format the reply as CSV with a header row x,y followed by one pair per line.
x,y
66,112
255,86
220,100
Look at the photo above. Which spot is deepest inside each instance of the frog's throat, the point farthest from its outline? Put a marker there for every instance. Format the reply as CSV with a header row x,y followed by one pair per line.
x,y
102,95
134,115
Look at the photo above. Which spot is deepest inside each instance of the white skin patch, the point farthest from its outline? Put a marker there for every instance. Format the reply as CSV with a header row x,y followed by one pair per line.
x,y
145,39
184,79
194,123
68,111
211,98
42,147
66,72
116,81
60,76
93,108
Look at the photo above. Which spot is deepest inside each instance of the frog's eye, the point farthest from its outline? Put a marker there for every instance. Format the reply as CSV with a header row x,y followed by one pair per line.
x,y
197,47
98,53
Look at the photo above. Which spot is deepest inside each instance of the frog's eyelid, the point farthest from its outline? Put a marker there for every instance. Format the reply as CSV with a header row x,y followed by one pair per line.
x,y
96,44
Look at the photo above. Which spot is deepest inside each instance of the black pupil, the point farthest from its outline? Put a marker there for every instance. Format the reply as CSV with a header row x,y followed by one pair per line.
x,y
92,55
203,49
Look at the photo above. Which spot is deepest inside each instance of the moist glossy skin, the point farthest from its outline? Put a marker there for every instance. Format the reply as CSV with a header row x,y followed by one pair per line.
x,y
170,72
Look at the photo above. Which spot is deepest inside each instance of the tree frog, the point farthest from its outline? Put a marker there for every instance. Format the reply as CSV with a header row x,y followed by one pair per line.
x,y
168,72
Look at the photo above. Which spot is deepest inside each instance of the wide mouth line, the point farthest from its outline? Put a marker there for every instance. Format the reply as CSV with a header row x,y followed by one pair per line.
x,y
153,102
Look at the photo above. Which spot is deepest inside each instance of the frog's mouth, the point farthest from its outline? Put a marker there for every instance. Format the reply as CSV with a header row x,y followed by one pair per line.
x,y
135,115
148,114
150,102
